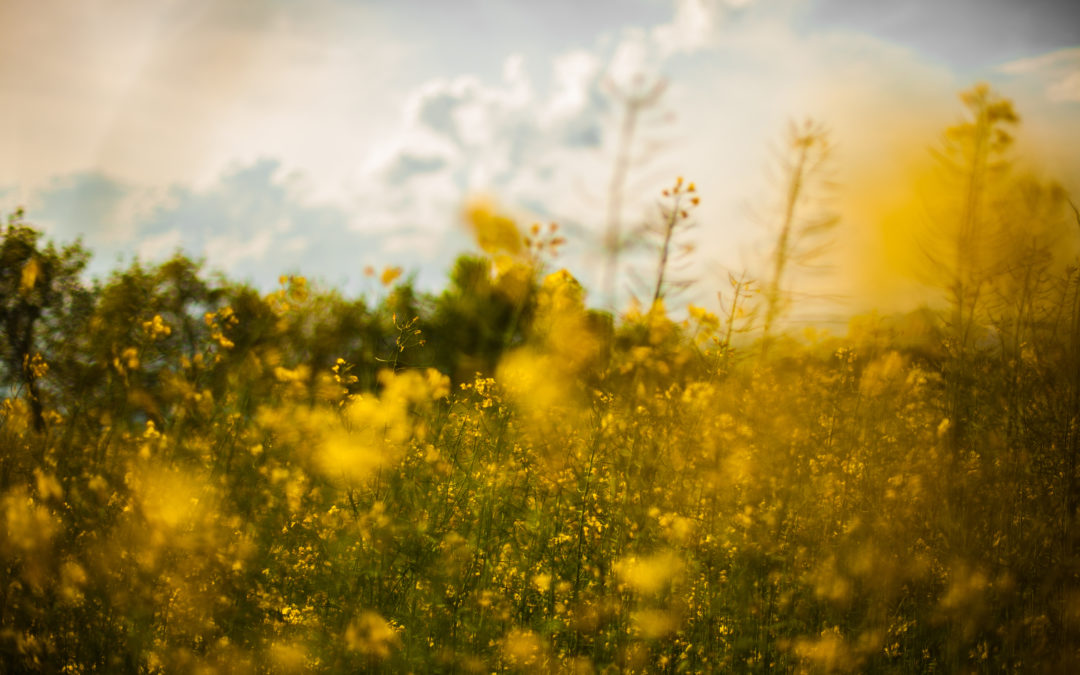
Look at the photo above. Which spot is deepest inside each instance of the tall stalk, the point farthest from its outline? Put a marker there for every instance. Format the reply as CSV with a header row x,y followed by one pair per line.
x,y
803,172
634,103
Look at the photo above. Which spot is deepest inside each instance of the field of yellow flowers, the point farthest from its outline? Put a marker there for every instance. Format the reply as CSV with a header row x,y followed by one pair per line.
x,y
199,477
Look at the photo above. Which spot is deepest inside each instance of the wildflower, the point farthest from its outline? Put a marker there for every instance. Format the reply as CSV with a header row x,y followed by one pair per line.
x,y
156,328
389,275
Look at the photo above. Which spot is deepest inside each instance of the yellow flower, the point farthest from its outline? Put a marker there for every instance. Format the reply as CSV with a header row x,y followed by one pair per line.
x,y
389,275
494,233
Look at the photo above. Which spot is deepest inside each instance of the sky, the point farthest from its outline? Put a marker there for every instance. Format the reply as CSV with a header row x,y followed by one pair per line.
x,y
325,136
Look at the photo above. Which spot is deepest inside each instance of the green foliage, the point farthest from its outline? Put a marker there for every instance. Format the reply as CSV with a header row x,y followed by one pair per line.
x,y
476,320
39,290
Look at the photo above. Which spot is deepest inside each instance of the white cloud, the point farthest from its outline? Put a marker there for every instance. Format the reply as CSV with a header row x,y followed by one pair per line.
x,y
573,75
696,25
635,58
1060,59
691,29
1059,71
463,136
1065,89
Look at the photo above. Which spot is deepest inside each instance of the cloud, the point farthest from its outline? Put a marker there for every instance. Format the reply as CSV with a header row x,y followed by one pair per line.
x,y
696,24
575,97
251,222
1061,59
462,135
1065,89
691,29
1059,71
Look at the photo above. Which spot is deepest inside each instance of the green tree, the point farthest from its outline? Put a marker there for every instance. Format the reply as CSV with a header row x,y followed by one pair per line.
x,y
475,321
39,287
